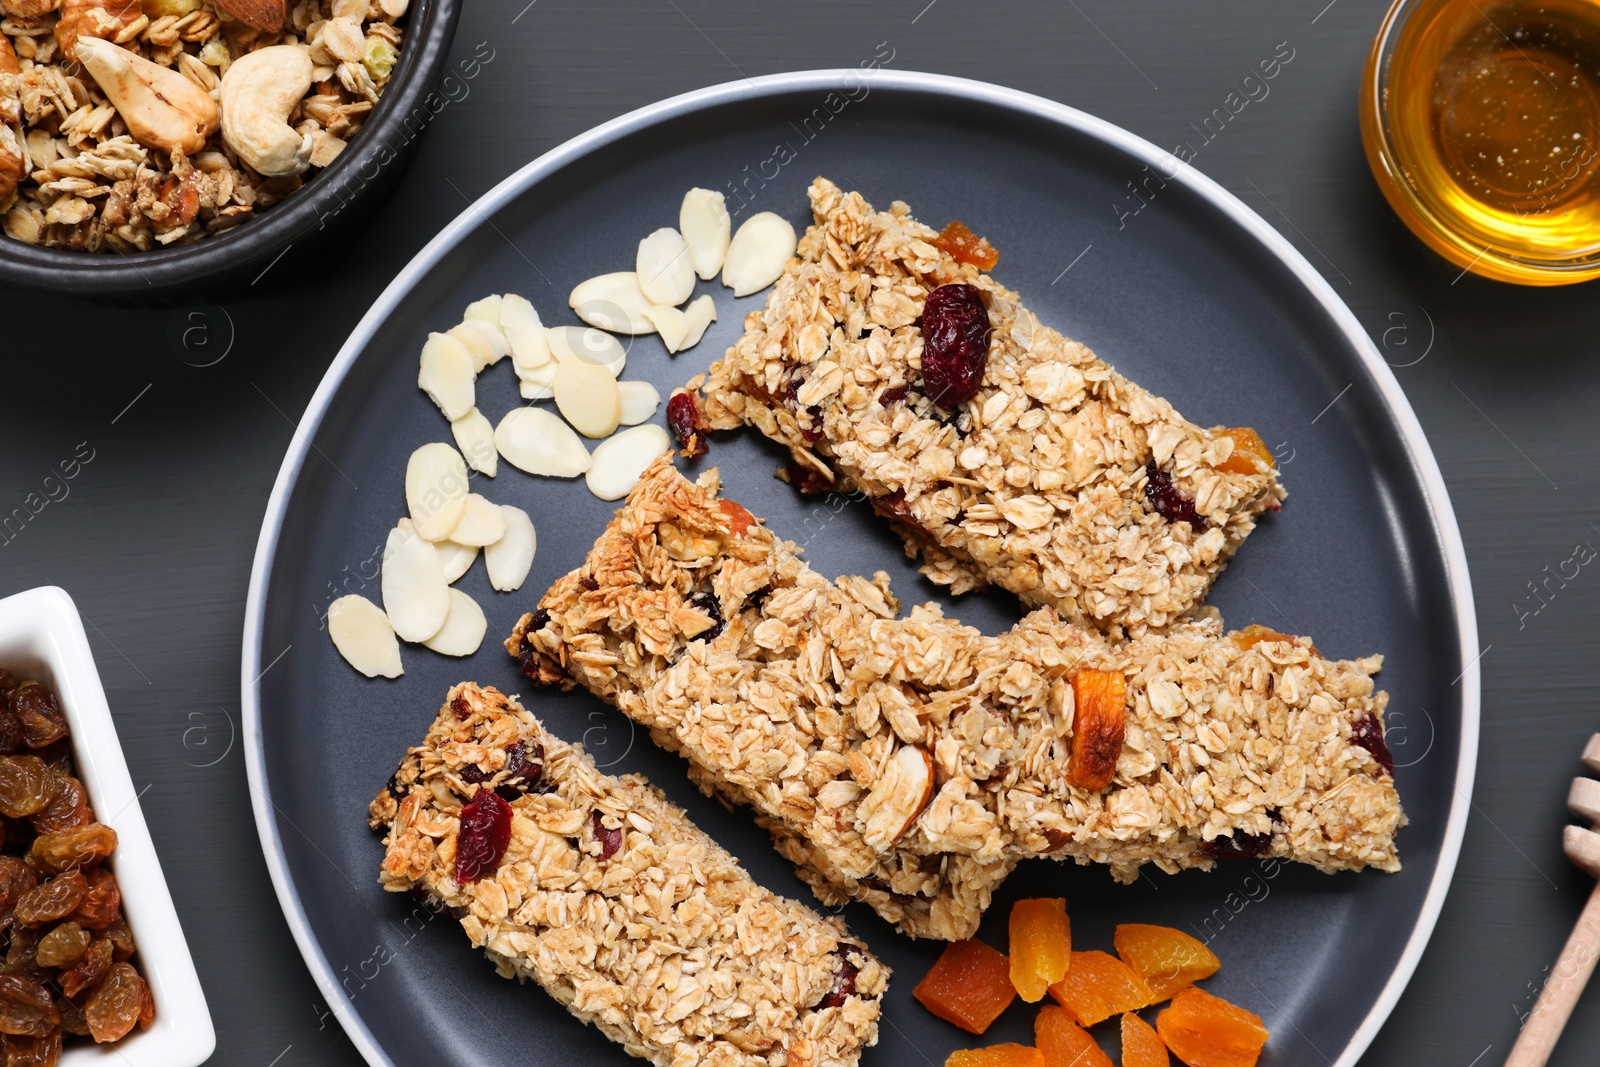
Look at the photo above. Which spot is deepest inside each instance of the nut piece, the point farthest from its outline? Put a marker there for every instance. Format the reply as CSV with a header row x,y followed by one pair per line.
x,y
445,373
639,401
666,273
455,559
509,559
82,18
463,627
758,252
363,636
162,108
475,438
613,302
259,93
1100,699
699,315
265,15
590,345
587,397
415,595
703,218
524,333
619,460
480,524
537,441
436,490
897,797
670,323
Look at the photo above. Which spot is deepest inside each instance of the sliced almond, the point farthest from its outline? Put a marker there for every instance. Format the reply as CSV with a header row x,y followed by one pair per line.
x,y
415,595
590,345
509,559
480,523
475,438
666,273
463,629
539,383
487,309
704,221
524,332
455,559
536,391
612,302
436,490
587,397
363,636
896,798
537,441
446,374
484,341
639,401
619,460
757,253
671,324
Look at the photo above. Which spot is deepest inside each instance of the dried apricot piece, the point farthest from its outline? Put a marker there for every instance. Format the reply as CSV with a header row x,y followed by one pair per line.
x,y
1101,699
1255,633
1098,986
996,1056
1250,453
1167,959
1207,1031
966,246
1141,1045
1041,946
1064,1043
969,986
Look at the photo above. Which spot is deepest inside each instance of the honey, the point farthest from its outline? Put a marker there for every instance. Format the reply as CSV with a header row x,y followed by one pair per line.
x,y
1482,120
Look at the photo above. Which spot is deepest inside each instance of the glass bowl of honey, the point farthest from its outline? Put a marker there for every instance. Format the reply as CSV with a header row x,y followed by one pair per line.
x,y
1481,121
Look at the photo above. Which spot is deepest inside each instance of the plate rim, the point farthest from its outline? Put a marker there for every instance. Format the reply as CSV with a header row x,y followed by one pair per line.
x,y
1382,375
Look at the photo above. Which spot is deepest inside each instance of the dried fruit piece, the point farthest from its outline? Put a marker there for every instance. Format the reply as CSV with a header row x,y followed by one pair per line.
x,y
1207,1031
665,270
896,798
610,837
639,402
436,489
966,246
38,714
24,785
67,808
1250,453
63,945
1007,1055
589,345
480,524
616,302
509,559
115,1006
1141,1045
757,253
445,372
121,939
969,985
475,438
1041,946
683,419
808,480
703,220
416,597
539,442
39,1051
364,637
16,878
1167,959
1100,699
26,1008
587,397
1240,846
485,833
619,460
1168,500
52,900
19,959
1098,985
72,849
955,344
529,341
1254,634
739,518
1064,1043
90,968
463,627
102,901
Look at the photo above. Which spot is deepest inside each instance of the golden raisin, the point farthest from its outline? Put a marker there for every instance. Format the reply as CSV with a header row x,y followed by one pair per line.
x,y
67,808
52,900
116,1005
83,846
24,785
90,968
63,945
102,902
26,1008
33,1051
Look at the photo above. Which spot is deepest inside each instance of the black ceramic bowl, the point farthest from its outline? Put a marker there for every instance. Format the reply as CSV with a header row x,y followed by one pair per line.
x,y
333,198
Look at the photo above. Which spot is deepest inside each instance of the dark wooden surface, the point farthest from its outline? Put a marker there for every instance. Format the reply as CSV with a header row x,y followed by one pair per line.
x,y
155,534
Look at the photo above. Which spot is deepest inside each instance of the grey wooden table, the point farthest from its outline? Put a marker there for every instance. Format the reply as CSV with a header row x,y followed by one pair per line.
x,y
155,535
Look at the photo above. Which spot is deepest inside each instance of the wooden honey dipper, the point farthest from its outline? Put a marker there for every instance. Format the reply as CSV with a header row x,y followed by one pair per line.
x,y
1572,969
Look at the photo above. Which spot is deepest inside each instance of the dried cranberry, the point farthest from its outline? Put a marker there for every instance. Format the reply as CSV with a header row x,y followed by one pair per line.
x,y
809,480
527,655
1168,500
394,786
1240,846
683,419
588,583
474,774
610,840
462,709
523,770
1059,839
893,505
485,833
708,604
893,395
955,343
843,987
759,597
1368,733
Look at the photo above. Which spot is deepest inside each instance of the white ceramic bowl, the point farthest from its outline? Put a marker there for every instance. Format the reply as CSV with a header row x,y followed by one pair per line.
x,y
41,637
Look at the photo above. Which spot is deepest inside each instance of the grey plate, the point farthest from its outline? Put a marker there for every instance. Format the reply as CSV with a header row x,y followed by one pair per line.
x,y
1194,296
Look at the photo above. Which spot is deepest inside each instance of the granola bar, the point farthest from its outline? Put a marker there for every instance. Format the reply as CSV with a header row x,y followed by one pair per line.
x,y
1060,480
612,901
814,702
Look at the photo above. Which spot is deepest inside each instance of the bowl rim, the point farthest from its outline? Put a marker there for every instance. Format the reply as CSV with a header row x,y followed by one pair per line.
x,y
42,633
403,111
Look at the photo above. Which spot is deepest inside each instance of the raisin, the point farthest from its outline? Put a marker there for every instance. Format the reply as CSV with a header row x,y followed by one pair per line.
x,y
72,1020
811,428
102,902
707,603
19,958
1240,846
965,246
67,808
610,840
1367,732
147,1008
1168,499
955,344
121,939
893,506
115,1006
83,846
843,987
523,770
683,419
394,786
527,655
39,714
474,774
26,1008
462,709
8,681
58,757
485,833
63,946
21,1051
759,597
809,480
90,968
588,583
10,729
25,784
15,880
52,900
893,395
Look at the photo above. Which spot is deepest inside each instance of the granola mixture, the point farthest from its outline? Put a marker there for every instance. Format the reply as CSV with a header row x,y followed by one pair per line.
x,y
139,145
619,907
1043,483
804,698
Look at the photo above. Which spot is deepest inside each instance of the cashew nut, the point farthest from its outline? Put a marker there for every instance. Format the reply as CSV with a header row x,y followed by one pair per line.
x,y
161,107
259,92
